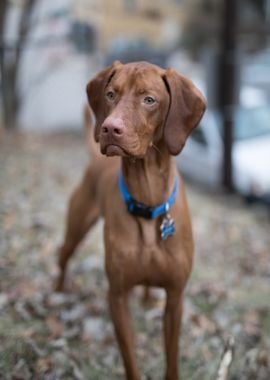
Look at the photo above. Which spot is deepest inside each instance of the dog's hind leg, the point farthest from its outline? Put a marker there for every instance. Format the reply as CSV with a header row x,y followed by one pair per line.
x,y
83,212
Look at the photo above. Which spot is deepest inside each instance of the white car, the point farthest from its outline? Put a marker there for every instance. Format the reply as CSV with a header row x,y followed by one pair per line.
x,y
202,157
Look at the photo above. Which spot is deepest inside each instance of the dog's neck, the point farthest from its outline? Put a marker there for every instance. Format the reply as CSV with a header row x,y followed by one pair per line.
x,y
150,179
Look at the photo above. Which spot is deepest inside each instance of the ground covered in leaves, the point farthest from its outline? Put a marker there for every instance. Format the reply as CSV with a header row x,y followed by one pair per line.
x,y
52,336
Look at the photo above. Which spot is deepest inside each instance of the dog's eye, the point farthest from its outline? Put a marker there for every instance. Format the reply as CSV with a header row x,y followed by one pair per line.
x,y
149,100
110,95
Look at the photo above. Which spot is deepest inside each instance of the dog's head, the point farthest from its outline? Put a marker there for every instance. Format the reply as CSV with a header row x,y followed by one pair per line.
x,y
138,104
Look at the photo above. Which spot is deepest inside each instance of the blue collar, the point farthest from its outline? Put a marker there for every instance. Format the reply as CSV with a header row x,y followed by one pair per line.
x,y
140,209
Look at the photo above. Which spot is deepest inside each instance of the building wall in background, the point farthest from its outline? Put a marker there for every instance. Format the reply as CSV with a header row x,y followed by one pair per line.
x,y
156,21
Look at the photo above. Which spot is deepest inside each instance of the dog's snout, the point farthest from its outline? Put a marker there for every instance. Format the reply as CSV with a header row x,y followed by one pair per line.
x,y
113,126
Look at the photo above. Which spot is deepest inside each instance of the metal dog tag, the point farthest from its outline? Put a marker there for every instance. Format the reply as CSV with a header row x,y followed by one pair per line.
x,y
167,227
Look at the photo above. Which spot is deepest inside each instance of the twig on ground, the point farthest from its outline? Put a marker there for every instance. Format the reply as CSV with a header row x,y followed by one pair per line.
x,y
226,360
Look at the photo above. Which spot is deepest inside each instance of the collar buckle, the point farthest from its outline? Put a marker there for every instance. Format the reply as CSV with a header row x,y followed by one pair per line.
x,y
140,209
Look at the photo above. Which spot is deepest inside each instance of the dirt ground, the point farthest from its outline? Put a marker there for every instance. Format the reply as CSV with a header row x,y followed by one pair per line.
x,y
52,336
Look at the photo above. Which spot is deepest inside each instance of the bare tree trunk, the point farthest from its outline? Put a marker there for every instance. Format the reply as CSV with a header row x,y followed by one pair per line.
x,y
228,86
10,59
3,11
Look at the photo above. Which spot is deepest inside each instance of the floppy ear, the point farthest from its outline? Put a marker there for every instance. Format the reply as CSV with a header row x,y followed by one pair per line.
x,y
186,109
95,94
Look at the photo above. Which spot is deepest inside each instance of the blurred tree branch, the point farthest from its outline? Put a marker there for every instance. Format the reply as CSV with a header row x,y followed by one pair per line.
x,y
202,24
10,59
204,19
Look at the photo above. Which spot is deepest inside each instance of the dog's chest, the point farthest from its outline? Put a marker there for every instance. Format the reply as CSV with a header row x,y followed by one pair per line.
x,y
135,245
154,255
149,233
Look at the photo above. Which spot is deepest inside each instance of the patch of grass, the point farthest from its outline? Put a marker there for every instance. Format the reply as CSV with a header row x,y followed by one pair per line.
x,y
14,350
266,326
195,369
252,297
95,372
204,305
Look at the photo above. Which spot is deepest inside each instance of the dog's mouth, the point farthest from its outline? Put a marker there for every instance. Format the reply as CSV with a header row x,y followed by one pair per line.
x,y
114,150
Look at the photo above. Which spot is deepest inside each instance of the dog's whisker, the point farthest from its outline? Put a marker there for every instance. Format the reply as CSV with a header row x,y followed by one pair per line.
x,y
156,148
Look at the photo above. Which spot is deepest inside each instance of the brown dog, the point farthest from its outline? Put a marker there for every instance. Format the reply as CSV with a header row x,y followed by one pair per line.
x,y
144,114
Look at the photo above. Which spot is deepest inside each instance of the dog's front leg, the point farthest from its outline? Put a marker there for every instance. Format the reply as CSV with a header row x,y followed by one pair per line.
x,y
172,324
124,334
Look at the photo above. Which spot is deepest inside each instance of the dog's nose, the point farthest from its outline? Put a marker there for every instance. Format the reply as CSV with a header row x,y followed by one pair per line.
x,y
114,126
